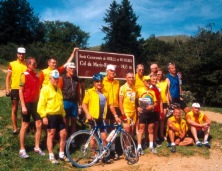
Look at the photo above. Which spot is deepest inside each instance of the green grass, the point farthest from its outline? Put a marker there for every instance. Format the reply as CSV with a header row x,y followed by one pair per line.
x,y
2,78
213,109
9,147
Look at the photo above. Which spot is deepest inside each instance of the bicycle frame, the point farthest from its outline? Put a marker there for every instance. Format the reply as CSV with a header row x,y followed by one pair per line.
x,y
118,127
92,147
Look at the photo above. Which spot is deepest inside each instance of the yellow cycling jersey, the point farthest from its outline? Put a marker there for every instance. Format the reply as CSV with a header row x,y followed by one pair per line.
x,y
163,86
113,88
17,68
181,126
44,75
50,101
201,118
146,94
129,94
138,82
91,99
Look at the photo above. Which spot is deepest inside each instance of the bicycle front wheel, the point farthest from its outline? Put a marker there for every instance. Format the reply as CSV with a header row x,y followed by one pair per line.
x,y
82,149
129,147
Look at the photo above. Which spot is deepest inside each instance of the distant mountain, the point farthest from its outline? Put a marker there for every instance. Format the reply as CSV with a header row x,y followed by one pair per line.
x,y
171,39
167,39
95,48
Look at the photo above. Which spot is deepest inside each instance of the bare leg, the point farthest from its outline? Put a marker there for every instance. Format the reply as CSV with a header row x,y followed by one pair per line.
x,y
150,131
50,137
14,114
186,141
194,133
38,125
162,124
140,135
62,142
24,128
171,135
206,133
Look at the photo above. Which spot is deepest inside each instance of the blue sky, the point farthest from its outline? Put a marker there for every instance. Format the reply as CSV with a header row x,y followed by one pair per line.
x,y
157,17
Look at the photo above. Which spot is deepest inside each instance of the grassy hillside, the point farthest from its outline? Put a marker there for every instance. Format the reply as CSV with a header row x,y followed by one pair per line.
x,y
171,39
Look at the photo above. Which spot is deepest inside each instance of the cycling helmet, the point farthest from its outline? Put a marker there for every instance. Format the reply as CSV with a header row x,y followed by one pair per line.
x,y
97,77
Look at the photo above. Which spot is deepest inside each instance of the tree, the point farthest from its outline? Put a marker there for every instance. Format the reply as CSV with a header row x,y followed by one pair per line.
x,y
65,33
155,51
122,31
111,30
18,23
204,52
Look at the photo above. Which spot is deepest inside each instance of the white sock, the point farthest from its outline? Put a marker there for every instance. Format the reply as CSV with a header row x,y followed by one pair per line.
x,y
173,144
139,146
61,154
51,155
21,151
151,144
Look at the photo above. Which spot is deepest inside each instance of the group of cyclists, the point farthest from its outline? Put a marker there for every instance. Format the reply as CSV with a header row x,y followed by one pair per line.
x,y
56,96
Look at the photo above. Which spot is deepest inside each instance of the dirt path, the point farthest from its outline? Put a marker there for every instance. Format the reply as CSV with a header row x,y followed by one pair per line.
x,y
176,162
151,162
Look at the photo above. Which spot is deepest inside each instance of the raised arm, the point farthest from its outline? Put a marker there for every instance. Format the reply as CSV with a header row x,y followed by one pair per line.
x,y
168,87
72,55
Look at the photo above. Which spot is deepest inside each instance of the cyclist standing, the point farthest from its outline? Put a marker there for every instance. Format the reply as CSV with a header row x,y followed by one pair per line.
x,y
15,69
95,106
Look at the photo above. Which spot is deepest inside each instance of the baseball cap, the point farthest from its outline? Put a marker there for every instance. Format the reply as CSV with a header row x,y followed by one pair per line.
x,y
70,65
21,50
55,73
97,77
146,78
111,67
197,105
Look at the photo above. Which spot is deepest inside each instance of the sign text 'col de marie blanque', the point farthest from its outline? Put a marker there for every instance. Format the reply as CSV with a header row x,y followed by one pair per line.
x,y
91,62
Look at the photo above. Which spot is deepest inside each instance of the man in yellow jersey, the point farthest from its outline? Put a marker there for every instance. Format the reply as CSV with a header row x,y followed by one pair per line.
x,y
127,99
139,76
177,130
113,112
44,74
147,101
199,125
15,69
138,84
50,108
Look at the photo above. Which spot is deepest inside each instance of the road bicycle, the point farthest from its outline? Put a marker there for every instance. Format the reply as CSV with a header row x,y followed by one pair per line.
x,y
84,148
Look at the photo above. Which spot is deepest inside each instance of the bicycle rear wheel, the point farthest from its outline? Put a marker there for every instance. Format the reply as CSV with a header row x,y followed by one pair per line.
x,y
129,148
82,149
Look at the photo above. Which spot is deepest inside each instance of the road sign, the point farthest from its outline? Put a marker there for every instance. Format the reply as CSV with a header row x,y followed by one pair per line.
x,y
92,62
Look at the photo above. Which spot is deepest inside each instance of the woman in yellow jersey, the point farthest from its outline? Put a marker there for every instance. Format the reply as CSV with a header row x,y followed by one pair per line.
x,y
147,101
163,87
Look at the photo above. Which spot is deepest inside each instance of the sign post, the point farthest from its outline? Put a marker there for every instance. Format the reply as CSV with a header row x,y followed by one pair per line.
x,y
92,62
